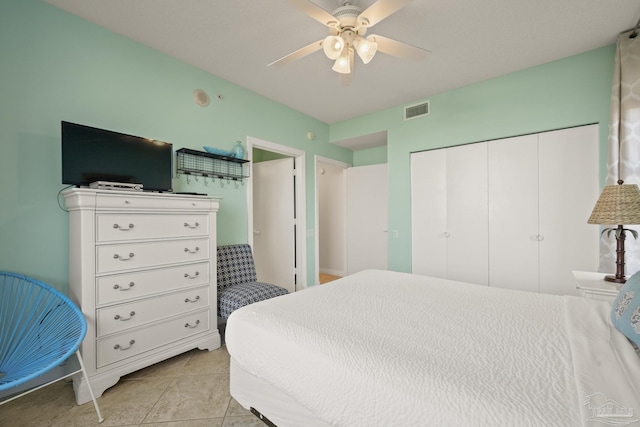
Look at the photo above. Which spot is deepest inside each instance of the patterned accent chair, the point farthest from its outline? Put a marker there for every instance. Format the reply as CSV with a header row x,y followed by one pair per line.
x,y
237,280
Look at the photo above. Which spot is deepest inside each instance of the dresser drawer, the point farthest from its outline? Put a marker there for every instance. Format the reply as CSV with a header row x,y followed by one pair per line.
x,y
151,202
124,316
126,256
134,342
128,286
117,227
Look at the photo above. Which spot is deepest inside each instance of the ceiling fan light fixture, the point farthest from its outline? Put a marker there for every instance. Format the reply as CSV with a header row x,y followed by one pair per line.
x,y
333,46
342,65
366,48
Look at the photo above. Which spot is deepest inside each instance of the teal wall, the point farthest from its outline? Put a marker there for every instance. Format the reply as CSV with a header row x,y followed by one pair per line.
x,y
264,156
56,67
569,92
370,156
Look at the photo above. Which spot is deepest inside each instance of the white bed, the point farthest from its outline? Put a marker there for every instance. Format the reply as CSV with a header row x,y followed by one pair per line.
x,y
383,348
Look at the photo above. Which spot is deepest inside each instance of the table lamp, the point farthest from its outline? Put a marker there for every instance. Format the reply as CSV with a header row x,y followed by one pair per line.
x,y
618,204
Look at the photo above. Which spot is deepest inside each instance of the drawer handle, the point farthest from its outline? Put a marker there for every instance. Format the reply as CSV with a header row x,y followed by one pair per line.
x,y
196,225
192,300
116,286
191,252
124,319
117,227
192,277
186,325
116,256
119,347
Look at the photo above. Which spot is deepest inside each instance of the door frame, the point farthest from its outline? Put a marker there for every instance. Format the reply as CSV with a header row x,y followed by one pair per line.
x,y
299,158
320,159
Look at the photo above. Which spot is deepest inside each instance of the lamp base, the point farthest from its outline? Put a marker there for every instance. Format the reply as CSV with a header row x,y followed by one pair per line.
x,y
615,279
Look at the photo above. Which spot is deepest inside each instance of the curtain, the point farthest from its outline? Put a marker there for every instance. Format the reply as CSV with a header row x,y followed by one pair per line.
x,y
624,142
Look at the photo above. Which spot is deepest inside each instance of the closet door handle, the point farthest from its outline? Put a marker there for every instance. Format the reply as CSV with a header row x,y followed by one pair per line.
x,y
447,234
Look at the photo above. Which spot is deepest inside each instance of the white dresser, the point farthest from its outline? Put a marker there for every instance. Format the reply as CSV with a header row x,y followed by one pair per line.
x,y
142,269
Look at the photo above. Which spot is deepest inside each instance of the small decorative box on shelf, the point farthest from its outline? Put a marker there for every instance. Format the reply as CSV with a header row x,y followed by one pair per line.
x,y
208,165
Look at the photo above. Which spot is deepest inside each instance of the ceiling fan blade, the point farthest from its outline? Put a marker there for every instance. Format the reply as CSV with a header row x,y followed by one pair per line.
x,y
300,53
380,10
315,11
399,49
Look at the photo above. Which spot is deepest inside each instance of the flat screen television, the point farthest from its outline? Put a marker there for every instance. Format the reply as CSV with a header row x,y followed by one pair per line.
x,y
90,154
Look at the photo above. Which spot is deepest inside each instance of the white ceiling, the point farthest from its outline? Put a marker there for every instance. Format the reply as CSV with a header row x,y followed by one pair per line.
x,y
470,41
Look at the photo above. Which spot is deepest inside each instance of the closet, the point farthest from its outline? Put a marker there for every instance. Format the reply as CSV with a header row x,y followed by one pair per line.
x,y
508,213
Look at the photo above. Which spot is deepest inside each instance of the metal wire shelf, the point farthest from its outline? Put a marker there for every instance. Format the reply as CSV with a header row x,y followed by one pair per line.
x,y
208,165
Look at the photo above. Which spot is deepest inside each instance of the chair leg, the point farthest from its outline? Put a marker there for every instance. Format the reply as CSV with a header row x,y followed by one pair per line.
x,y
93,397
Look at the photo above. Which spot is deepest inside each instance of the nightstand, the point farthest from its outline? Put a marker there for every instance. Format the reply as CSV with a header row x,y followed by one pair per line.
x,y
593,286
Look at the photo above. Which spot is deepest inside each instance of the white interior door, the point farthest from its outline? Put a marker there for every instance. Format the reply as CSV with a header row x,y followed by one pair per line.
x,y
274,222
429,213
467,214
449,213
367,218
513,213
569,189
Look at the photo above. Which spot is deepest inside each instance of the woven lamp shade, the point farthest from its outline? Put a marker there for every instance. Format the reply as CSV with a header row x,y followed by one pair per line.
x,y
618,204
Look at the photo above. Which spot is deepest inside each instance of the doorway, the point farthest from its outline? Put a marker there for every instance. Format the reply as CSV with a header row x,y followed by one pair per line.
x,y
299,207
330,217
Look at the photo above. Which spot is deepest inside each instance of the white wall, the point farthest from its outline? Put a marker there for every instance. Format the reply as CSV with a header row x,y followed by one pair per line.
x,y
331,218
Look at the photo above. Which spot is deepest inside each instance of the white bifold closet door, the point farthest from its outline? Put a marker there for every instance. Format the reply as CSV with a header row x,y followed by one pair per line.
x,y
449,206
569,189
510,213
513,213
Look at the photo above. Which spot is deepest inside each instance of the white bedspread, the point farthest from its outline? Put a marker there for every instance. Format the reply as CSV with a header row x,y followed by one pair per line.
x,y
382,349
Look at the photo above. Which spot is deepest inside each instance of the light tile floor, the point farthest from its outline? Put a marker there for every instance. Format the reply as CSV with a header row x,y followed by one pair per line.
x,y
189,390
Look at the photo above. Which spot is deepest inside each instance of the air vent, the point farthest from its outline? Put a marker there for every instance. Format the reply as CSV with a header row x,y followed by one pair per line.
x,y
417,110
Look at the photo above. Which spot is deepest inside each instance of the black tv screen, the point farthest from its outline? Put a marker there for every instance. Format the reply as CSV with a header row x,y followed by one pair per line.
x,y
90,154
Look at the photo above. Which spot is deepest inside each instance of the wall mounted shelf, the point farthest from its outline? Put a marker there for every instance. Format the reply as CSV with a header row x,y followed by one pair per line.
x,y
208,165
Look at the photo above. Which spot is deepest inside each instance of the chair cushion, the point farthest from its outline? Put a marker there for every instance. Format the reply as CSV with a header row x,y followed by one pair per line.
x,y
234,297
235,265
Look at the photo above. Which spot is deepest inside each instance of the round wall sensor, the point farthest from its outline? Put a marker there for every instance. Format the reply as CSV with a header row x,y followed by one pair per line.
x,y
201,97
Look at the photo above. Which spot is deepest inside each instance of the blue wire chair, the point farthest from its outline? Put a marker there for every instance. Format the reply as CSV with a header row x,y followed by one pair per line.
x,y
40,330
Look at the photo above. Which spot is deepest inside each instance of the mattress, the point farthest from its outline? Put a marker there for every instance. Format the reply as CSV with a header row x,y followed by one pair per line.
x,y
386,348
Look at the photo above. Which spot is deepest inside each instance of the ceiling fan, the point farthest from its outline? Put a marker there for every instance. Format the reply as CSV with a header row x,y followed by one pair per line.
x,y
348,25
